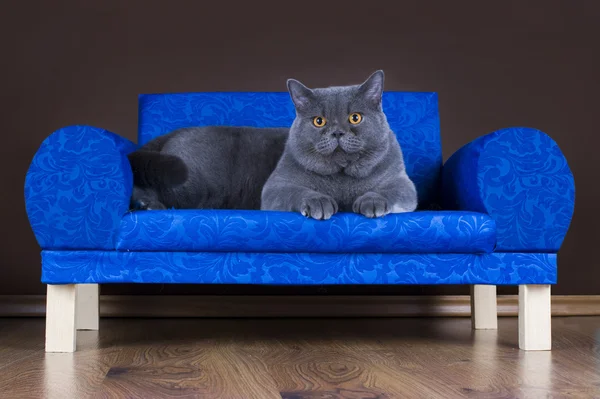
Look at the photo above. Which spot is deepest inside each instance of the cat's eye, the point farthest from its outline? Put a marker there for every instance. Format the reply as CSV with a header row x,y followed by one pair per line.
x,y
355,118
319,121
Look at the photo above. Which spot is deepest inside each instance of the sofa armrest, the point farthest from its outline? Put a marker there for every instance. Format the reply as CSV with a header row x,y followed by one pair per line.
x,y
522,180
78,187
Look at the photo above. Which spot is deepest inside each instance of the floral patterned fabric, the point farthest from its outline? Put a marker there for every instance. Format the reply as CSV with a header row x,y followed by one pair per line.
x,y
62,267
78,187
259,231
412,116
522,180
512,189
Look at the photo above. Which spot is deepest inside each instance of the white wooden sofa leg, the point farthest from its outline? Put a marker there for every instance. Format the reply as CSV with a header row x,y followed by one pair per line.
x,y
484,310
535,333
61,304
87,315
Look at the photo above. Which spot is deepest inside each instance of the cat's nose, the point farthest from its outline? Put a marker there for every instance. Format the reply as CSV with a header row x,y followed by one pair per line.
x,y
338,134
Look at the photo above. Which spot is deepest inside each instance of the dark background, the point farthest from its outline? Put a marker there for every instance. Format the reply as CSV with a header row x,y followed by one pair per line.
x,y
534,63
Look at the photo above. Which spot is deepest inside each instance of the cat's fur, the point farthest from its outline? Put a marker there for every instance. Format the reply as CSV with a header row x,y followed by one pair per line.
x,y
206,167
340,166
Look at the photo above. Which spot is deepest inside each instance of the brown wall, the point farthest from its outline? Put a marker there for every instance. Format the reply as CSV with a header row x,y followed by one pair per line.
x,y
63,62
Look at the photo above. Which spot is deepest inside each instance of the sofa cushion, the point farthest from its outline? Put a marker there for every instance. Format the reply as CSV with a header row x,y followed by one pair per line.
x,y
265,231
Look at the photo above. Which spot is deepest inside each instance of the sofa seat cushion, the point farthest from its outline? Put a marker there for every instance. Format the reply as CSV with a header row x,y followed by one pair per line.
x,y
266,231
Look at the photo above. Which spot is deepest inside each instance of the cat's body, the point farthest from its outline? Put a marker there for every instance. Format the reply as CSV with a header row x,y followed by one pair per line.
x,y
341,155
352,162
292,185
214,167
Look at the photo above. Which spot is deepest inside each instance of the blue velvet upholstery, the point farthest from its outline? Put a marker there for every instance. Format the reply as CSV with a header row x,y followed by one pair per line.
x,y
258,231
522,180
60,267
412,116
512,192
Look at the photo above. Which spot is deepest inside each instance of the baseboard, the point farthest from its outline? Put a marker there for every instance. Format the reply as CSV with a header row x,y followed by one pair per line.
x,y
295,306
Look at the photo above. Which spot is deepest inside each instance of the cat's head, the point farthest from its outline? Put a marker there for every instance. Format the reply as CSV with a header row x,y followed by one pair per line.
x,y
337,126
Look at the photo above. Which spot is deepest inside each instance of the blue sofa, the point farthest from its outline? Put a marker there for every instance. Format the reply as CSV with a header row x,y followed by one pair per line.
x,y
495,213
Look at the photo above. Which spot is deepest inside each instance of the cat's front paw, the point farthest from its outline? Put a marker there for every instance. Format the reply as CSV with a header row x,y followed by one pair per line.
x,y
320,208
372,205
146,205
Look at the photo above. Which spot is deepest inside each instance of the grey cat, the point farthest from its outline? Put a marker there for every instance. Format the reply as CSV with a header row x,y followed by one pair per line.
x,y
206,167
341,155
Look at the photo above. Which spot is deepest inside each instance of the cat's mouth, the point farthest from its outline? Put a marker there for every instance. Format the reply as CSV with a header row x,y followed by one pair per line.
x,y
349,145
340,152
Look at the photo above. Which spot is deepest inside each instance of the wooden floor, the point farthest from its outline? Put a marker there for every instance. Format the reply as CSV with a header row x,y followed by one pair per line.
x,y
300,358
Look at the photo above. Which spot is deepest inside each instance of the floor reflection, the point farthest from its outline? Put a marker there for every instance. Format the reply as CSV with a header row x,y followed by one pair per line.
x,y
535,370
59,375
64,373
484,355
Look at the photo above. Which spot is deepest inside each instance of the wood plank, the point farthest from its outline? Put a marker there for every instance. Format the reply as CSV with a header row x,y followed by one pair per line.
x,y
484,308
300,358
296,306
61,306
87,316
534,318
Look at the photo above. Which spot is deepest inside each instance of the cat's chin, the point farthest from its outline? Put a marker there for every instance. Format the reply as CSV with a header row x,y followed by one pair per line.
x,y
343,159
338,162
318,164
360,168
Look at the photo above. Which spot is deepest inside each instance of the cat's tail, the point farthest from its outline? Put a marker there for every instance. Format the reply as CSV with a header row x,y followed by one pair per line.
x,y
154,169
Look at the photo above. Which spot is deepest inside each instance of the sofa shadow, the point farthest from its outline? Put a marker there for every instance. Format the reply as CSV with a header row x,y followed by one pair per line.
x,y
248,331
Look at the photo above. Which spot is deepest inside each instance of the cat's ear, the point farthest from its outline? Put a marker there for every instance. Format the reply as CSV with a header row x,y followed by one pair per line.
x,y
372,88
301,95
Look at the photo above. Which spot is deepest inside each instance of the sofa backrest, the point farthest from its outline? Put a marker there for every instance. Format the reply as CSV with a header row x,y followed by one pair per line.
x,y
413,117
